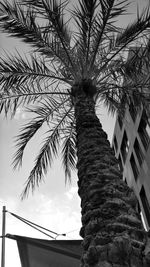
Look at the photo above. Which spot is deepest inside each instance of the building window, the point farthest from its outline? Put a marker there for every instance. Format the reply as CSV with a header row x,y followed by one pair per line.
x,y
120,121
125,180
115,143
133,112
134,167
113,148
138,152
148,129
124,146
145,204
120,164
144,130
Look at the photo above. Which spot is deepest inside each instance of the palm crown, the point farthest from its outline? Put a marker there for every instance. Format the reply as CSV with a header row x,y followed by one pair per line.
x,y
87,47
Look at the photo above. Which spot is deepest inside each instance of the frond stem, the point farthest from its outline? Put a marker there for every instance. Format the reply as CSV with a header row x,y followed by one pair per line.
x,y
33,94
102,31
57,29
121,48
43,75
88,44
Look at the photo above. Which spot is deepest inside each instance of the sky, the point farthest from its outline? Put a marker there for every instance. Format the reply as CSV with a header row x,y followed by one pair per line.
x,y
54,205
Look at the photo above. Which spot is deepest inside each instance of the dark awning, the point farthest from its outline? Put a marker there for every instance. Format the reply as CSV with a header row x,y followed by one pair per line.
x,y
48,253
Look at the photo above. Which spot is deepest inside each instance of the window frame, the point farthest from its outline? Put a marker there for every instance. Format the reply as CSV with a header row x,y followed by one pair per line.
x,y
143,133
145,204
134,167
124,146
138,152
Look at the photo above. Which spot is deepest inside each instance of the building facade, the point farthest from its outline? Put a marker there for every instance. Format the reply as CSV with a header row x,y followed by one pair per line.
x,y
131,143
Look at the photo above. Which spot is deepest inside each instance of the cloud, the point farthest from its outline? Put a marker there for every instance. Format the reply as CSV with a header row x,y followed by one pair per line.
x,y
71,192
9,202
55,213
20,114
58,215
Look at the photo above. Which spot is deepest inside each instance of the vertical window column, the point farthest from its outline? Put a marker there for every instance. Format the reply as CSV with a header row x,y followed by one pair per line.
x,y
124,146
120,164
134,166
120,122
145,204
144,130
133,112
115,143
138,151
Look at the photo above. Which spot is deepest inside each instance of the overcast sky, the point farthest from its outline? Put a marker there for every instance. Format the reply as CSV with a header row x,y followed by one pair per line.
x,y
54,205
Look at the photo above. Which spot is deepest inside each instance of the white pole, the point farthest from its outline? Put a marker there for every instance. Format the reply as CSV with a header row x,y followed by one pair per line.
x,y
3,236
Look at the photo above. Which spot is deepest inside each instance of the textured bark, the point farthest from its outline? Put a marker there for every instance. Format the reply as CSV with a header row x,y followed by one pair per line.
x,y
113,235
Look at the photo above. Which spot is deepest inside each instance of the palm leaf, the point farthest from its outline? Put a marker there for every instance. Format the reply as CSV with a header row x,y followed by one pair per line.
x,y
48,151
123,37
132,31
84,16
104,24
44,114
69,151
16,70
22,23
53,12
27,133
10,101
24,96
18,23
24,81
43,160
137,64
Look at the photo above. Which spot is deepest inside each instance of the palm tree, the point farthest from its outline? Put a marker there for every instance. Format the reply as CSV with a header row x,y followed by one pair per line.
x,y
65,78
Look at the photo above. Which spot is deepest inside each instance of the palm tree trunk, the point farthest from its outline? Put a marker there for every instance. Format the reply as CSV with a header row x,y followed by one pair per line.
x,y
112,231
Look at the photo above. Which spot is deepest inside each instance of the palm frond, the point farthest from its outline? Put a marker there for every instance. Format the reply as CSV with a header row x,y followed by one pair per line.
x,y
21,24
137,64
43,160
69,151
44,112
48,39
24,81
10,102
53,11
133,31
48,151
111,99
84,16
14,70
104,24
23,96
116,98
127,37
22,140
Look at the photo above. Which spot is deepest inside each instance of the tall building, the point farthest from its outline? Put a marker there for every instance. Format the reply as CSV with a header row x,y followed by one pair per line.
x,y
131,143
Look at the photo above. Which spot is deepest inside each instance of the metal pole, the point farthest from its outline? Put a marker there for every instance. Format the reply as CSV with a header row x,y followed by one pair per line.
x,y
3,236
